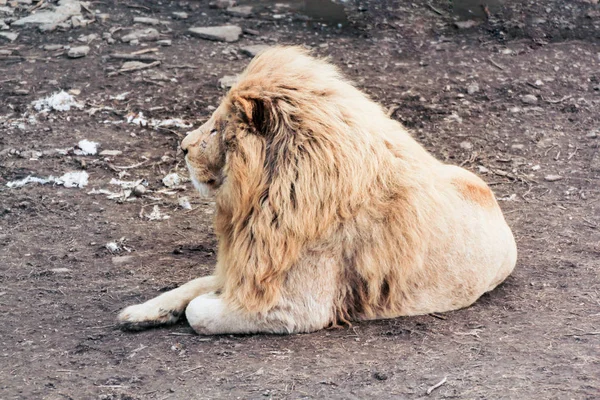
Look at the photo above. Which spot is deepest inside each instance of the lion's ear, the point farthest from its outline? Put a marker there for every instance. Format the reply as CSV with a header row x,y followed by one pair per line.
x,y
254,111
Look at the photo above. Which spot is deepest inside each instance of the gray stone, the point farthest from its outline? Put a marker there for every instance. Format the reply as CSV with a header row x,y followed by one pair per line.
x,y
227,81
473,88
164,42
240,11
553,178
466,145
466,24
254,49
78,52
146,20
87,38
224,33
148,34
529,99
6,10
592,135
12,36
49,20
222,4
180,15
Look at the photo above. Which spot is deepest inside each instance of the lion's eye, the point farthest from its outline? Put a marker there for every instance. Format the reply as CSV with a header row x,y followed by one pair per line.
x,y
213,132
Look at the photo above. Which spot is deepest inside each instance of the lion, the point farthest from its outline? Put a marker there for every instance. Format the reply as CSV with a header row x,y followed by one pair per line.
x,y
327,212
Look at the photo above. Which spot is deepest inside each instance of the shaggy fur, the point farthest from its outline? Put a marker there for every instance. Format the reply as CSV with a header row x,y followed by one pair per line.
x,y
328,212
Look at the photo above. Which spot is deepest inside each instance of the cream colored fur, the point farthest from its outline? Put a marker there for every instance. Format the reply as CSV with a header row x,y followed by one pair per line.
x,y
328,212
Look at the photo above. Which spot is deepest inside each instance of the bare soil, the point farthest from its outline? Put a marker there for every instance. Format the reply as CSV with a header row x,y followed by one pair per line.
x,y
460,91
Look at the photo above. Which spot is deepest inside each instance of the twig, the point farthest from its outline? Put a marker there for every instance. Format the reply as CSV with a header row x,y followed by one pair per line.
x,y
192,369
133,57
136,68
573,153
583,333
183,66
438,316
181,334
393,110
555,101
437,385
131,166
139,7
144,51
495,64
435,10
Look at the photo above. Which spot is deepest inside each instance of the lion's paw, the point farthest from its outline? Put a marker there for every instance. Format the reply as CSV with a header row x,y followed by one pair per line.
x,y
146,315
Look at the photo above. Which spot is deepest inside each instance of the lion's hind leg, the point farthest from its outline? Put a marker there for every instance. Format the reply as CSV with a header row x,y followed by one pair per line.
x,y
166,308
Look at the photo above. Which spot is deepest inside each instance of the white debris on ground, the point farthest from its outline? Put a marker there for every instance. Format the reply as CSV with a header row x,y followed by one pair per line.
x,y
86,148
172,180
156,215
125,184
70,179
59,101
139,119
184,203
117,246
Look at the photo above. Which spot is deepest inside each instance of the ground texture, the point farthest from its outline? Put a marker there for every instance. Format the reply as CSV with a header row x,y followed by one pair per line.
x,y
515,98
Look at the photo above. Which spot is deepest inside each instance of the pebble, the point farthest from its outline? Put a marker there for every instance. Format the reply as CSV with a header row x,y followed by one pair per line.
x,y
172,180
224,33
529,99
52,47
180,15
473,88
466,145
78,52
517,146
466,24
12,36
139,190
222,4
146,20
553,178
60,270
240,11
122,260
110,153
227,81
164,42
254,49
592,135
148,34
87,38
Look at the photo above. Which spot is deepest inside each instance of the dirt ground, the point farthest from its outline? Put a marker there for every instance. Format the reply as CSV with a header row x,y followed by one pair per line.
x,y
515,98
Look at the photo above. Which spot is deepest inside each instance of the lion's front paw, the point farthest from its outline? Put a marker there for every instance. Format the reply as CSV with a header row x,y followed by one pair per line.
x,y
146,315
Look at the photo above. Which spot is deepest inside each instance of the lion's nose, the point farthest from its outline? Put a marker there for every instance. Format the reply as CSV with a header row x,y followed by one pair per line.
x,y
184,149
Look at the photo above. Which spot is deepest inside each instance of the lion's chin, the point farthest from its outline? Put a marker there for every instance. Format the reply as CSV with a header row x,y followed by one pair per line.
x,y
204,189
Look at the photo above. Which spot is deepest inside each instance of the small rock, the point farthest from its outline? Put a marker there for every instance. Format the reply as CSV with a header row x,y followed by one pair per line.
x,y
148,34
227,81
180,15
517,146
139,190
113,247
21,92
482,169
254,49
252,32
380,376
222,4
506,51
103,17
164,42
473,88
110,153
224,33
592,135
240,11
529,99
87,38
53,47
466,24
538,83
171,180
146,20
122,260
78,52
12,36
184,203
466,145
536,167
553,178
60,270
